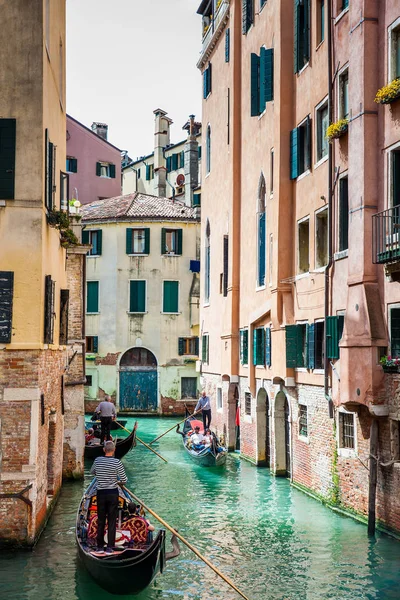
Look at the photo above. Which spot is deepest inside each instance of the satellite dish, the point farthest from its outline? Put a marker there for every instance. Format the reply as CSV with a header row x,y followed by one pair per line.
x,y
180,180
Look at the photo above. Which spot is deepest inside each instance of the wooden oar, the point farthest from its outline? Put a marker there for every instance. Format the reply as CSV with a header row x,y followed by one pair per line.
x,y
173,427
188,544
142,442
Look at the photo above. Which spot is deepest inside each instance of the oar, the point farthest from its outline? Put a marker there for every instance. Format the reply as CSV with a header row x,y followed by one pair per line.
x,y
188,544
173,427
142,442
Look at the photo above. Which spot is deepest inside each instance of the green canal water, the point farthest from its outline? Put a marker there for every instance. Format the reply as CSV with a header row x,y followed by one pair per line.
x,y
274,542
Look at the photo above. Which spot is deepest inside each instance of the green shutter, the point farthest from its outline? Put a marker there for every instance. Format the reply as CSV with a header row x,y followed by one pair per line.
x,y
85,236
244,16
99,242
296,38
227,45
261,346
147,172
307,158
74,165
147,240
291,346
203,348
199,152
92,297
294,154
254,85
306,42
269,74
196,346
205,84
255,347
163,241
301,358
268,346
246,347
7,158
209,80
137,300
6,305
169,161
241,337
181,346
129,248
179,242
182,159
95,343
332,337
112,171
98,169
262,80
196,199
171,297
175,161
311,346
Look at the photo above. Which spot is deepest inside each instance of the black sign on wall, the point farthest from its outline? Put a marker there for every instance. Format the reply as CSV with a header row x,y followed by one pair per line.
x,y
6,305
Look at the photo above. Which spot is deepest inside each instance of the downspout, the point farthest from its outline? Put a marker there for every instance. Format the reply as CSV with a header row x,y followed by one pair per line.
x,y
330,211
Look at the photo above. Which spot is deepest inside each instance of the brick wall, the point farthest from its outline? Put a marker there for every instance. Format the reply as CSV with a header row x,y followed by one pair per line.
x,y
172,407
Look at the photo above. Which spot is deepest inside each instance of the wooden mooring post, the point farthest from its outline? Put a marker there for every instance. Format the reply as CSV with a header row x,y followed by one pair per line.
x,y
373,473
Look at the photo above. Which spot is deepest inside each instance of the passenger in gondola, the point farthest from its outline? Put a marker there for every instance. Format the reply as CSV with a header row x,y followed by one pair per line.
x,y
208,438
197,439
89,436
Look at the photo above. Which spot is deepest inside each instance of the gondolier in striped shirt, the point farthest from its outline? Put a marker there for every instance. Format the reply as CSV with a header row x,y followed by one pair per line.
x,y
204,404
109,471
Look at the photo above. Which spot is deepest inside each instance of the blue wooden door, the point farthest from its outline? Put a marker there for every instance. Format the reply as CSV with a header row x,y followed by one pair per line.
x,y
138,390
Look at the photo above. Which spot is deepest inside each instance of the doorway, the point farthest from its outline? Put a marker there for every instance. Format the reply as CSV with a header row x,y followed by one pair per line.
x,y
138,381
282,436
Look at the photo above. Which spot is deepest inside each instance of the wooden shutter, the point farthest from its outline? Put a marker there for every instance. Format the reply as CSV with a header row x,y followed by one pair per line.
x,y
49,310
163,241
344,212
182,159
306,41
6,305
179,236
310,346
196,199
291,346
196,346
129,237
95,343
301,332
332,337
64,305
171,297
247,15
98,169
147,240
205,87
255,346
204,349
169,163
225,265
53,175
137,301
209,77
294,153
307,158
261,248
246,347
7,158
262,80
254,85
99,242
73,164
175,161
199,152
244,16
85,236
241,339
269,74
268,346
148,173
181,346
92,297
227,45
49,175
112,171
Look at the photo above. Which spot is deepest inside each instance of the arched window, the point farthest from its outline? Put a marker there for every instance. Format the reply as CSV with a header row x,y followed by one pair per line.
x,y
261,232
207,264
208,149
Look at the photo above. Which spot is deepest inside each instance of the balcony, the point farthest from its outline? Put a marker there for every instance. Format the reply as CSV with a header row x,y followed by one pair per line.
x,y
214,22
386,236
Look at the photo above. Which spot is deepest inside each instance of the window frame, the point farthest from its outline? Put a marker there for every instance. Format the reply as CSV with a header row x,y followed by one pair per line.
x,y
172,230
346,451
93,253
390,307
319,368
321,21
177,312
393,29
133,253
299,223
242,347
342,76
98,297
319,143
247,404
301,421
137,312
93,350
195,394
340,250
208,150
219,400
189,341
395,148
317,216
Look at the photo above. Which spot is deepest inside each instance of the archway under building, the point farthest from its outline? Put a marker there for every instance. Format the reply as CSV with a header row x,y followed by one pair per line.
x,y
263,429
233,437
282,436
138,380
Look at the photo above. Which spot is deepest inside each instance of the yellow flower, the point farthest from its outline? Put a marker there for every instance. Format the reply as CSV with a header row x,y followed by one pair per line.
x,y
336,129
388,92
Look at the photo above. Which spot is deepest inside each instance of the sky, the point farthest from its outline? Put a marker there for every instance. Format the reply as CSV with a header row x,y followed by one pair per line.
x,y
126,58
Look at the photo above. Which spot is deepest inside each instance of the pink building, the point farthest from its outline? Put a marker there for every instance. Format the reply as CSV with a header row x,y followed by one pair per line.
x,y
93,164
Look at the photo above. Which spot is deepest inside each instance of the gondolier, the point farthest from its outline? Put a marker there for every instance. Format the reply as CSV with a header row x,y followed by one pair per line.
x,y
204,404
107,412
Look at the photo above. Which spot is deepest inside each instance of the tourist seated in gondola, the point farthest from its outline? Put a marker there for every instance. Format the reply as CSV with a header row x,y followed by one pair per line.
x,y
207,438
197,439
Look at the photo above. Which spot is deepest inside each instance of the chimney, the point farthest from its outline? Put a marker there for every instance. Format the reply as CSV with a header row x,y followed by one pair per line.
x,y
100,129
162,125
191,161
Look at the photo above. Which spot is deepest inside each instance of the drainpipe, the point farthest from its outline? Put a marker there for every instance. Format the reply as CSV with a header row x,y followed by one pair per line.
x,y
330,211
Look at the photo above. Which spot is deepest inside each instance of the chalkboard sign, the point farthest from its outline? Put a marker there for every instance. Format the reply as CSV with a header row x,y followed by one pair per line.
x,y
6,304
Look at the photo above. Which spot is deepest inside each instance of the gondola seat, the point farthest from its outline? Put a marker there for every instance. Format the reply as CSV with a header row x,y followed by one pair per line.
x,y
138,528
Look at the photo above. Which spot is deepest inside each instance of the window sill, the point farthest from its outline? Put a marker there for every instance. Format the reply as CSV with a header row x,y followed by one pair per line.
x,y
271,196
206,305
302,69
260,116
166,255
319,45
139,254
321,161
259,288
340,255
304,439
247,419
170,313
319,269
341,15
208,174
300,370
105,177
93,255
318,371
347,452
303,175
93,313
128,312
220,411
302,276
244,365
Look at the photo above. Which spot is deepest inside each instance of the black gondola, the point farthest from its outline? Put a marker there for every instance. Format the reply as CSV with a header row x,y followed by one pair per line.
x,y
122,446
212,456
141,558
96,425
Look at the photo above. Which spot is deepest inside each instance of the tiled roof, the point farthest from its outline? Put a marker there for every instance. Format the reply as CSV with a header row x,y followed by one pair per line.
x,y
138,206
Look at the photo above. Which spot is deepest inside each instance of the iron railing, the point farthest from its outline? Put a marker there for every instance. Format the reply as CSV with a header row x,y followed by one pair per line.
x,y
386,236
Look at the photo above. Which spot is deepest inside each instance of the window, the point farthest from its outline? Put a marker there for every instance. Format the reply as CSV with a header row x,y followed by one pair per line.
x,y
343,216
196,199
268,361
394,50
321,238
334,332
344,94
171,241
227,44
322,126
247,403
300,149
320,21
137,296
262,80
188,345
6,305
61,72
259,346
47,25
343,4
225,266
395,439
271,174
49,309
64,190
138,172
89,381
50,172
319,328
7,158
346,430
207,265
271,256
207,81
188,387
95,238
303,427
395,332
297,346
138,241
72,165
244,346
204,348
395,177
104,169
247,15
303,246
149,172
219,399
64,305
92,301
262,3
301,34
42,410
171,297
92,344
261,232
208,149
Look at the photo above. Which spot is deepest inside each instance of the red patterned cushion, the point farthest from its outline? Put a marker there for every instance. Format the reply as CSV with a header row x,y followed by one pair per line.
x,y
138,529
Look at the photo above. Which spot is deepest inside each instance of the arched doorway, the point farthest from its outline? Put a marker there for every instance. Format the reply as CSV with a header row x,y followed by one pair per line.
x,y
138,384
282,435
267,434
263,429
237,418
287,438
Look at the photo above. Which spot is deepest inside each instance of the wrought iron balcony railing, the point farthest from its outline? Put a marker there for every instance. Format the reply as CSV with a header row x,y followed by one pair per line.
x,y
386,236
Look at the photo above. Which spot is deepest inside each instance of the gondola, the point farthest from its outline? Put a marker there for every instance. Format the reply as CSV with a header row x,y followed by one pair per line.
x,y
131,568
114,424
214,456
122,446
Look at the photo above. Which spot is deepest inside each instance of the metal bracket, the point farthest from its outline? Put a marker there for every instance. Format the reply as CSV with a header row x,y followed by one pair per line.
x,y
20,495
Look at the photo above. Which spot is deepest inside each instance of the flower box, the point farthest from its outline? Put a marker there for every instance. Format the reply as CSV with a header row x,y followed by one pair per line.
x,y
336,130
389,93
390,369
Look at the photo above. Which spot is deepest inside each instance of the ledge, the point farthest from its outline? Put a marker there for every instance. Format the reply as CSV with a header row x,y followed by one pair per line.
x,y
221,19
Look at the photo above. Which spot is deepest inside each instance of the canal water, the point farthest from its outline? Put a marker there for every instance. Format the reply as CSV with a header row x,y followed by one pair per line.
x,y
274,542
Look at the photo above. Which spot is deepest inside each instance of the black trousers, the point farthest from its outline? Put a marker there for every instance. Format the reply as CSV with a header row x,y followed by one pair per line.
x,y
107,508
105,428
206,418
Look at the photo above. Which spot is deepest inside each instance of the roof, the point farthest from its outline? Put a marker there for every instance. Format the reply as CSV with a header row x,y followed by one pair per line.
x,y
93,132
136,206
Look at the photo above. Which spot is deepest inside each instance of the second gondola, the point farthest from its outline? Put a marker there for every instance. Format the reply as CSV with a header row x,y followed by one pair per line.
x,y
211,456
122,446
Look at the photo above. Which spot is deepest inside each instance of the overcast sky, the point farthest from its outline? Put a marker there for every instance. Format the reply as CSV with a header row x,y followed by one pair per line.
x,y
127,57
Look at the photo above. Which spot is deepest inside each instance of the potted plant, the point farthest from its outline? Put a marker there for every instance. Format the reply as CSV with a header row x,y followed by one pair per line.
x,y
74,206
390,364
388,93
336,130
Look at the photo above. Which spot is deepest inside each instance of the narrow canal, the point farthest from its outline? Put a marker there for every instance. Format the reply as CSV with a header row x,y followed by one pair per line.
x,y
274,542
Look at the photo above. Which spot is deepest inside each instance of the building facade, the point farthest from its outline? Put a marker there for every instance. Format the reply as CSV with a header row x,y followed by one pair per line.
x,y
287,249
37,297
142,310
93,164
171,170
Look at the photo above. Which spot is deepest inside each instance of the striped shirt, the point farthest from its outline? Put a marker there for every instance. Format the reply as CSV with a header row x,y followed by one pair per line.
x,y
108,471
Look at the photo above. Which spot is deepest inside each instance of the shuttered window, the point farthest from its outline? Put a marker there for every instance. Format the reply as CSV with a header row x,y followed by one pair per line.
x,y
244,346
227,44
204,349
300,149
254,85
188,387
188,345
137,296
303,424
95,238
175,158
171,241
138,241
298,346
266,83
169,164
261,248
171,297
6,305
64,305
7,158
225,266
105,170
343,214
208,150
92,297
259,346
72,165
301,34
334,332
49,310
268,349
207,81
50,161
196,199
92,345
247,15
